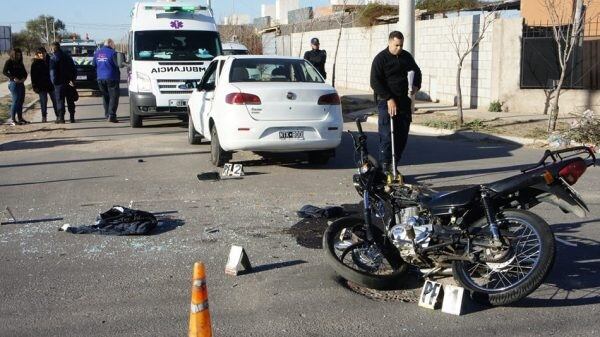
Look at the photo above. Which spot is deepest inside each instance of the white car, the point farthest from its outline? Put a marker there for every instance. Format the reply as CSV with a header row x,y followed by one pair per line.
x,y
265,104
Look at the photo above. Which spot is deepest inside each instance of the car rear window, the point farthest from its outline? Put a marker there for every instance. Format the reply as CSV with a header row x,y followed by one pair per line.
x,y
273,70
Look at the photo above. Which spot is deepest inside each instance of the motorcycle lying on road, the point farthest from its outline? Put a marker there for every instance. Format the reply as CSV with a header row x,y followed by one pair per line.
x,y
497,249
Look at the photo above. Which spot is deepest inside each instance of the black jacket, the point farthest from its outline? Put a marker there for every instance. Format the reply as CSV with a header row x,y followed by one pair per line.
x,y
389,77
317,58
40,76
62,68
14,70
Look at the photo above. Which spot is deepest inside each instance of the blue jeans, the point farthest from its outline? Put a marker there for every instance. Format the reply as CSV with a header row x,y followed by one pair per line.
x,y
401,128
44,102
17,91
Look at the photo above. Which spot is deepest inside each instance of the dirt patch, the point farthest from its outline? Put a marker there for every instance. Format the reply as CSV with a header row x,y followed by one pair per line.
x,y
532,128
6,101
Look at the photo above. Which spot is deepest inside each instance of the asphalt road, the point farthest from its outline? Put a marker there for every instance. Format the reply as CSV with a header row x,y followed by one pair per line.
x,y
58,284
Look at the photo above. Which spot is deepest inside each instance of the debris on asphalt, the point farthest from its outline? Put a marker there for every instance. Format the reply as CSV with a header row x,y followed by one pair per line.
x,y
140,160
11,215
211,230
558,140
329,212
209,176
118,221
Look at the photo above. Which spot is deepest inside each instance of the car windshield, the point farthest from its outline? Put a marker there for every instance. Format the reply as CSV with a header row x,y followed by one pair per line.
x,y
273,70
167,45
79,51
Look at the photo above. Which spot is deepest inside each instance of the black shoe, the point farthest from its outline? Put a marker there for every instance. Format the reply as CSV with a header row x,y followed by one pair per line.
x,y
113,119
72,120
61,121
44,119
23,122
57,121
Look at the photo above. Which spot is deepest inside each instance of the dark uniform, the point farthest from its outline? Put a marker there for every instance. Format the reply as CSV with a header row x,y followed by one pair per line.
x,y
317,58
62,72
389,80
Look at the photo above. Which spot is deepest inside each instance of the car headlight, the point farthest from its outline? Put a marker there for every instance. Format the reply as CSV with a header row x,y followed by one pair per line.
x,y
144,84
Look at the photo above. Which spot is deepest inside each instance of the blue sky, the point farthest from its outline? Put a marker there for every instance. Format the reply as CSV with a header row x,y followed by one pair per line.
x,y
110,18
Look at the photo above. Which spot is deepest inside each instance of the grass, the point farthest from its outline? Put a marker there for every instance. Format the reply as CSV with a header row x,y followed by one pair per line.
x,y
6,101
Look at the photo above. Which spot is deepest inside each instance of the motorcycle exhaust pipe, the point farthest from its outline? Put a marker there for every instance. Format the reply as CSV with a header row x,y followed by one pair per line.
x,y
436,271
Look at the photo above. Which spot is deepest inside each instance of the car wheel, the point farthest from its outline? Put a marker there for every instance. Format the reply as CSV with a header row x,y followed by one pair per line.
x,y
193,136
319,157
218,156
134,120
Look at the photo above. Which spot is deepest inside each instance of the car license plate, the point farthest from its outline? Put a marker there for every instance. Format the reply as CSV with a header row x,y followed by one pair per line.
x,y
297,134
178,102
81,77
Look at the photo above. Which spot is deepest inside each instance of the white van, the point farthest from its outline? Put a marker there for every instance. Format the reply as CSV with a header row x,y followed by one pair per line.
x,y
235,48
170,44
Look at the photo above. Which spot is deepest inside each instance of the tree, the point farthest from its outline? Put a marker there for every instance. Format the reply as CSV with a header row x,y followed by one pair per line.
x,y
442,6
244,34
464,41
567,28
342,19
45,29
25,42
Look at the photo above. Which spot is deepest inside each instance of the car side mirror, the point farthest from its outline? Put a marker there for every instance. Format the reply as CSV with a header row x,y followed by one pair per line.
x,y
206,87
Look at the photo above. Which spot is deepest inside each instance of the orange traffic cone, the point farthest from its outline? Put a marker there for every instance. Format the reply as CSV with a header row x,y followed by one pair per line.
x,y
199,315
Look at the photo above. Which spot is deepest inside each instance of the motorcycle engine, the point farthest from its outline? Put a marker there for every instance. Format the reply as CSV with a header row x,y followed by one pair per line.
x,y
411,227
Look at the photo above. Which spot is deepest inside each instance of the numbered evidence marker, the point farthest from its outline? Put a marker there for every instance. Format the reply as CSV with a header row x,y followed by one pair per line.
x,y
430,295
232,171
238,261
454,300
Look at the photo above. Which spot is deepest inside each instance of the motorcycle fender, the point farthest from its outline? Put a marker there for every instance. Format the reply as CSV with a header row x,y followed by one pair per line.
x,y
563,197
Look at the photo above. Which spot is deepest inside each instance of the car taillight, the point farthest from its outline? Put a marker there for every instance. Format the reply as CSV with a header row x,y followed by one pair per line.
x,y
329,99
241,98
573,171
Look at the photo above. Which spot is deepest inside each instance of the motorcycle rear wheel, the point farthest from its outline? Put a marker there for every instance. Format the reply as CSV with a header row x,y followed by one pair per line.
x,y
372,265
521,272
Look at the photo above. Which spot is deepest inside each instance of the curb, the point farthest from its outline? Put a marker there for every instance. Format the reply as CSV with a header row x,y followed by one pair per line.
x,y
472,135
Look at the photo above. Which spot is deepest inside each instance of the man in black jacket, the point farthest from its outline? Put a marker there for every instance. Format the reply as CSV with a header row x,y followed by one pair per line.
x,y
317,57
62,75
389,80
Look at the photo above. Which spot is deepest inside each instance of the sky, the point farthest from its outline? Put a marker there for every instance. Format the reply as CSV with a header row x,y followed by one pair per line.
x,y
102,19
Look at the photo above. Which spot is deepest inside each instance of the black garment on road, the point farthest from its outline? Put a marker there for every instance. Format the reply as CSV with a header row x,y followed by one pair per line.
x,y
389,78
119,221
310,211
14,70
317,58
40,76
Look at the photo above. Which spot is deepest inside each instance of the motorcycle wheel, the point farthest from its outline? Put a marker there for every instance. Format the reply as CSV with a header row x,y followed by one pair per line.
x,y
528,262
372,265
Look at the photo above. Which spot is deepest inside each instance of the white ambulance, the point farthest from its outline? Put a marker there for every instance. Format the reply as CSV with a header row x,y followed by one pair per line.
x,y
170,44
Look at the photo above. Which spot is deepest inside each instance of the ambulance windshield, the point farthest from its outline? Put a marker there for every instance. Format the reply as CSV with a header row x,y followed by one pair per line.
x,y
168,45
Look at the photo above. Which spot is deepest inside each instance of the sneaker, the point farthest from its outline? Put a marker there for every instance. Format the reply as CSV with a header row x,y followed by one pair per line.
x,y
12,123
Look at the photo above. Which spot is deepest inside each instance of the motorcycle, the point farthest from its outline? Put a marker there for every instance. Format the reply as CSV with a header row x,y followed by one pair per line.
x,y
495,248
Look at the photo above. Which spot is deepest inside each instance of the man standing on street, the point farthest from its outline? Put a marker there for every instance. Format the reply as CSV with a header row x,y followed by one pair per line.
x,y
62,75
316,56
108,75
389,81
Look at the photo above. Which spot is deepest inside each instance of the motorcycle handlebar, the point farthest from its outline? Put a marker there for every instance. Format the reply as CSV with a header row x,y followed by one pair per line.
x,y
358,126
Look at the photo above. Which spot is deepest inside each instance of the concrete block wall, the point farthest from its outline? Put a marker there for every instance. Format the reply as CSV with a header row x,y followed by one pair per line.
x,y
490,73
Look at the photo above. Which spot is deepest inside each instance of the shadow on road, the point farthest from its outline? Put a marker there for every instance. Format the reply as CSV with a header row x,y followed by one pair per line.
x,y
271,266
54,181
575,277
105,159
31,144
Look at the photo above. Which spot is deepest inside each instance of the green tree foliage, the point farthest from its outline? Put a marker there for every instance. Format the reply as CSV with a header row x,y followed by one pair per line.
x,y
446,5
43,28
25,41
368,15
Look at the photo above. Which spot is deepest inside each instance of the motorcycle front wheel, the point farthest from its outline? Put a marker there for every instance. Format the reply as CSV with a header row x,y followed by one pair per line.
x,y
527,262
375,265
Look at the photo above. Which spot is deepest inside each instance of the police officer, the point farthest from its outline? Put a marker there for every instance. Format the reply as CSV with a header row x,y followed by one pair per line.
x,y
389,81
316,56
108,75
62,76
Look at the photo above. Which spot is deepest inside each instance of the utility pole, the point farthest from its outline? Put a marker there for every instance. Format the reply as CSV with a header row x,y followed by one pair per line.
x,y
54,29
47,36
406,24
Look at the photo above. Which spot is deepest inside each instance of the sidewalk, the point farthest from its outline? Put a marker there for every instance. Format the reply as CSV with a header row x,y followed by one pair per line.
x,y
424,109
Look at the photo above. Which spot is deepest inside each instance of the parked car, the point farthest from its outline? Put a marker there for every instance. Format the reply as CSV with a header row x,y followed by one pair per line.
x,y
265,104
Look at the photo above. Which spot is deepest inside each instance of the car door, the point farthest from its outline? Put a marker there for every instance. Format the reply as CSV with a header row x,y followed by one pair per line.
x,y
207,92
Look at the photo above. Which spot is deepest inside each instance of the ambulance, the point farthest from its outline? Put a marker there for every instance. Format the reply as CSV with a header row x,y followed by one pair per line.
x,y
170,45
82,52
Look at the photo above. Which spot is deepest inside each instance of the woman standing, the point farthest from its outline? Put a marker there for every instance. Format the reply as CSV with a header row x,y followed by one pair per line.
x,y
40,81
14,69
